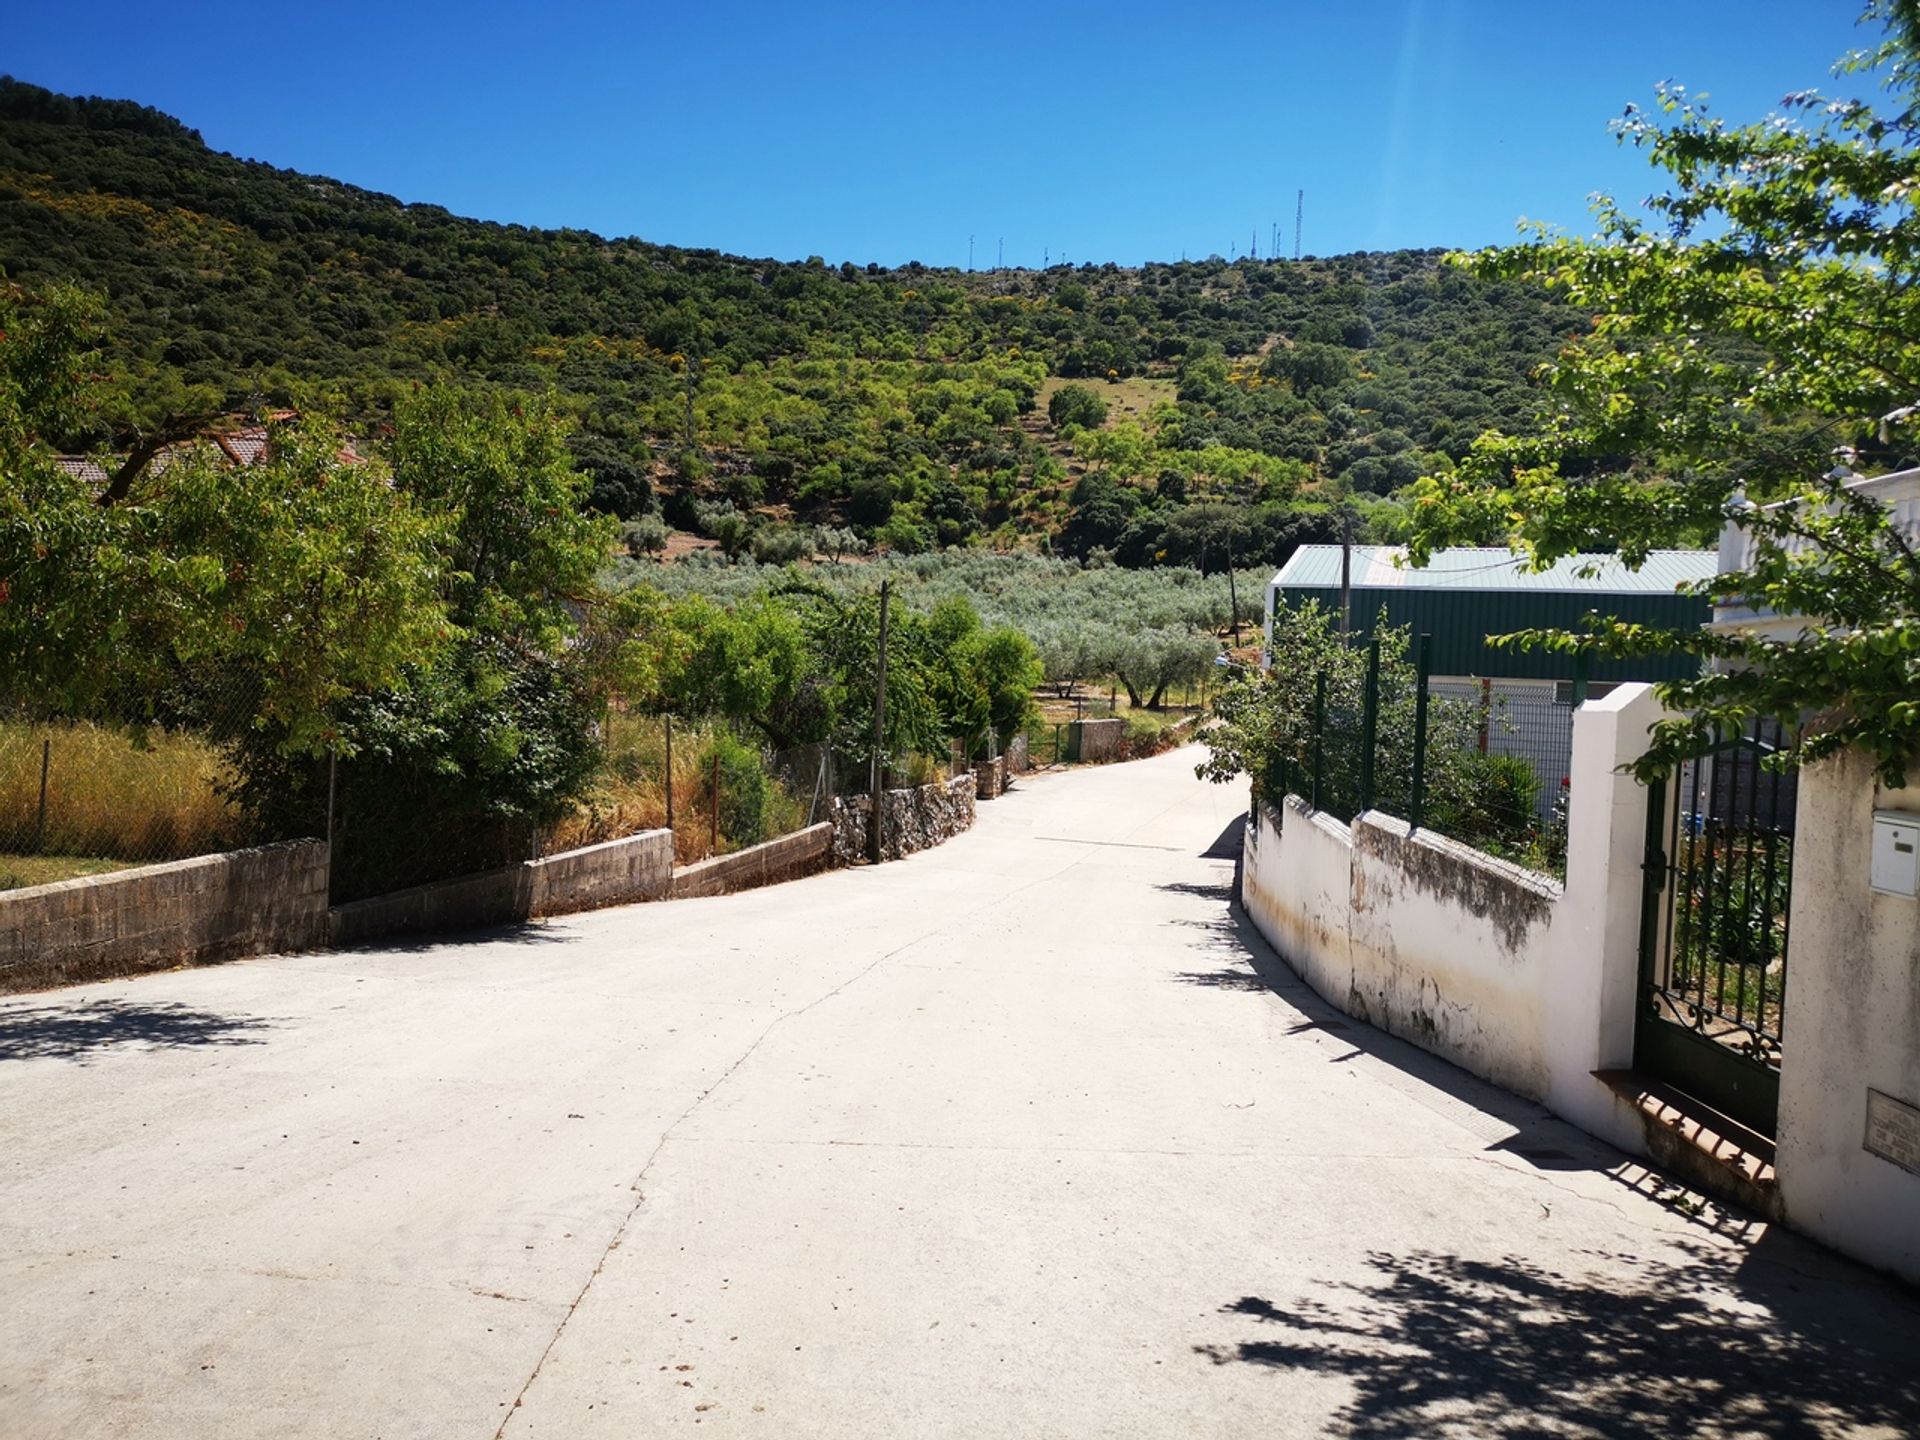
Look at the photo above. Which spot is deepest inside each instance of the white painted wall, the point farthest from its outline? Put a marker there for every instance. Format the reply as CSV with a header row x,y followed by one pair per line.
x,y
1450,949
1296,883
1852,1022
1503,971
1594,976
1535,986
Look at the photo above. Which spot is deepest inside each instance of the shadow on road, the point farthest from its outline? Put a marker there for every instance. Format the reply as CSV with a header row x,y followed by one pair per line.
x,y
1244,962
1434,1343
520,932
1228,844
81,1030
1226,978
1769,1336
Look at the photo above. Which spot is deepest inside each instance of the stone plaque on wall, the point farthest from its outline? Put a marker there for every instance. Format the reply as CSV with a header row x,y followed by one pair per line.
x,y
1893,1130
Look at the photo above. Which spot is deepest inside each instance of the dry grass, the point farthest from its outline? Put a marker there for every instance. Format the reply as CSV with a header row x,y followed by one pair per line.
x,y
632,794
17,872
1129,399
126,795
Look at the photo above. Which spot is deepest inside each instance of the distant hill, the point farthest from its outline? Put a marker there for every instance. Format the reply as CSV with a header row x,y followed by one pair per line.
x,y
909,402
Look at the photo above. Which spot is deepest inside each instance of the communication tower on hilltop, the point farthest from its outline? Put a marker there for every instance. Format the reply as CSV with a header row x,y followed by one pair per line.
x,y
1299,213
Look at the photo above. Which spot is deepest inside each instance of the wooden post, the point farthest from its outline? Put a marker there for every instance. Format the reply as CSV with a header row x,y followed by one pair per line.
x,y
669,773
713,808
333,767
40,824
875,839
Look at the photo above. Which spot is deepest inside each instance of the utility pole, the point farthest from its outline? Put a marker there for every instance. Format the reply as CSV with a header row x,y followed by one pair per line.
x,y
1299,213
1346,572
874,836
969,254
1233,590
1000,255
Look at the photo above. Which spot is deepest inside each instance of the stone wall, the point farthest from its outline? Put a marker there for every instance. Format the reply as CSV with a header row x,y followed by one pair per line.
x,y
788,858
1184,729
989,778
1018,759
1095,739
916,819
618,872
217,907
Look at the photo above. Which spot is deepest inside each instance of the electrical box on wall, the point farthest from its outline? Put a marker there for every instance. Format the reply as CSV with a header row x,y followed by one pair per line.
x,y
1896,853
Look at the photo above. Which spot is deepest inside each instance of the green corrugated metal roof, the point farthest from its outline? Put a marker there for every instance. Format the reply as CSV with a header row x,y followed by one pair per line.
x,y
1467,595
1375,567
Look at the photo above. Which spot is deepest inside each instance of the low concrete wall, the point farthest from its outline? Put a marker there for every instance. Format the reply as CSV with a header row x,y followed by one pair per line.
x,y
1505,972
1414,933
1296,884
1095,739
1534,986
1852,1028
217,907
788,858
1451,949
618,872
916,819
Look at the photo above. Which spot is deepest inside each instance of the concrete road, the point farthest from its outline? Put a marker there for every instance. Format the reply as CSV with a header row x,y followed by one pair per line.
x,y
1025,1136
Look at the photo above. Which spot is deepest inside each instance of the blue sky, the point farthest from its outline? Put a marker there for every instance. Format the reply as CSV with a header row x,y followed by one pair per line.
x,y
1119,131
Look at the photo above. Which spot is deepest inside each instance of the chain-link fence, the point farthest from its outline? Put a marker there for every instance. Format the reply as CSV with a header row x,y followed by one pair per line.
x,y
1486,762
83,794
194,774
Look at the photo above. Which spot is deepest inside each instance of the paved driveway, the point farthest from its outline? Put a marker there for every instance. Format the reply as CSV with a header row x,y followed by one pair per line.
x,y
1025,1136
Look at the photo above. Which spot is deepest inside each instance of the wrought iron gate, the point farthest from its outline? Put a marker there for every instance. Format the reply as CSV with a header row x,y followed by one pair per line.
x,y
1713,928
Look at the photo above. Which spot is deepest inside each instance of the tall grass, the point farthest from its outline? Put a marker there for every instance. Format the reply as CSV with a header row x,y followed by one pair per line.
x,y
125,794
631,794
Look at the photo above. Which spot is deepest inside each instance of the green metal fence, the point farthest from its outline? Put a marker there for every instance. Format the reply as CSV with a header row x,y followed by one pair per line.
x,y
1486,762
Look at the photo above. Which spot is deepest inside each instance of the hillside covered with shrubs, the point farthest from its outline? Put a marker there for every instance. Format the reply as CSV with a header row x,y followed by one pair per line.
x,y
1208,405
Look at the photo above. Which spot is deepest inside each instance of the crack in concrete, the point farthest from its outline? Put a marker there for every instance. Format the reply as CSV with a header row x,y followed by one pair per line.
x,y
626,1220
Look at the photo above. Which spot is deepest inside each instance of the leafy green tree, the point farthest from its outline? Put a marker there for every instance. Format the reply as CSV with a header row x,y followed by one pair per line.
x,y
1148,662
1765,317
1076,405
646,537
295,582
1271,730
982,678
521,548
